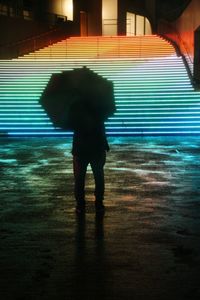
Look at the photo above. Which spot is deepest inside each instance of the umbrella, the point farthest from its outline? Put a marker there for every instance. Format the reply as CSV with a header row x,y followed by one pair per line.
x,y
78,98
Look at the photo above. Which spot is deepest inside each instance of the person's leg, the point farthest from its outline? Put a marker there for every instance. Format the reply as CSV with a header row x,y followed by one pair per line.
x,y
80,168
97,165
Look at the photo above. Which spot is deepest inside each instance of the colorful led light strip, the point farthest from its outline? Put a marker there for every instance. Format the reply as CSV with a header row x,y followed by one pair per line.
x,y
152,89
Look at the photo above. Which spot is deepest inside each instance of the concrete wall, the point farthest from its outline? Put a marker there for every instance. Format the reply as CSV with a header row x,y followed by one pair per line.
x,y
61,7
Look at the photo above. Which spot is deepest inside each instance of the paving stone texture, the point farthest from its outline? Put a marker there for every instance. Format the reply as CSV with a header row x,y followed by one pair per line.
x,y
146,246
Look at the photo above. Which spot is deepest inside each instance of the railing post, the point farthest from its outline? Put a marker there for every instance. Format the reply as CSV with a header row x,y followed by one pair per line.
x,y
140,46
118,46
66,48
34,48
50,49
32,44
97,47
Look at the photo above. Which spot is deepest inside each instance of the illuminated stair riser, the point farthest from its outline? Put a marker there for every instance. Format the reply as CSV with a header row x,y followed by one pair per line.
x,y
153,94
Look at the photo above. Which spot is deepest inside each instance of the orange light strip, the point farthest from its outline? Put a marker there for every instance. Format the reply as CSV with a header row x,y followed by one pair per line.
x,y
106,47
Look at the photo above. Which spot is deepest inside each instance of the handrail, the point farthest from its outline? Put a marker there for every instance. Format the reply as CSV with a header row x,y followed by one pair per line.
x,y
29,38
27,14
168,30
96,50
15,49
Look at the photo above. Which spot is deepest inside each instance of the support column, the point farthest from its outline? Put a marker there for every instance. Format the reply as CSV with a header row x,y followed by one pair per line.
x,y
95,18
197,55
150,6
77,7
121,17
18,7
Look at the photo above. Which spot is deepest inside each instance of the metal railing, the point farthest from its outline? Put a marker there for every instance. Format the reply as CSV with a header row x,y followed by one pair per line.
x,y
169,31
8,10
16,49
97,49
105,47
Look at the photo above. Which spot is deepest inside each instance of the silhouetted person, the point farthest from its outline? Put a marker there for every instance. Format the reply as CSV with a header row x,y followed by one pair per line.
x,y
89,147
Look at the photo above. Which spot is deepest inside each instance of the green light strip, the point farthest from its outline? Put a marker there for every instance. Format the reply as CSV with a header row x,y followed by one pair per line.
x,y
11,119
153,127
22,86
154,118
37,133
28,98
157,113
150,85
27,128
158,100
26,123
147,79
156,109
21,95
17,110
175,89
132,133
160,95
111,133
17,102
33,82
20,105
23,114
46,75
134,70
160,79
126,123
155,104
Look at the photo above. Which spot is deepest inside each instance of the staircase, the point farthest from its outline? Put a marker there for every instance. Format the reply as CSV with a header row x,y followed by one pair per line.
x,y
153,93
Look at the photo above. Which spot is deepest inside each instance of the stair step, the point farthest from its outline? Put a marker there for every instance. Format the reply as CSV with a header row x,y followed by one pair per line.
x,y
153,93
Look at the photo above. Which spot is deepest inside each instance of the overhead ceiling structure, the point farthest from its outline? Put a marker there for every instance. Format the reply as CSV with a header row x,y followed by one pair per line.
x,y
170,9
167,9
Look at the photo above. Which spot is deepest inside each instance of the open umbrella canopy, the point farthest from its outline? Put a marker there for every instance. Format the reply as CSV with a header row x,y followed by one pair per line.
x,y
78,98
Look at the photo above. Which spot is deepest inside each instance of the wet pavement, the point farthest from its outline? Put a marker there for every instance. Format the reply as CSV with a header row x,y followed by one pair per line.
x,y
146,246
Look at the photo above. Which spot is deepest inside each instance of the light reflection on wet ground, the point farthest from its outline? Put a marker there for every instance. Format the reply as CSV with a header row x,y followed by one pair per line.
x,y
145,247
